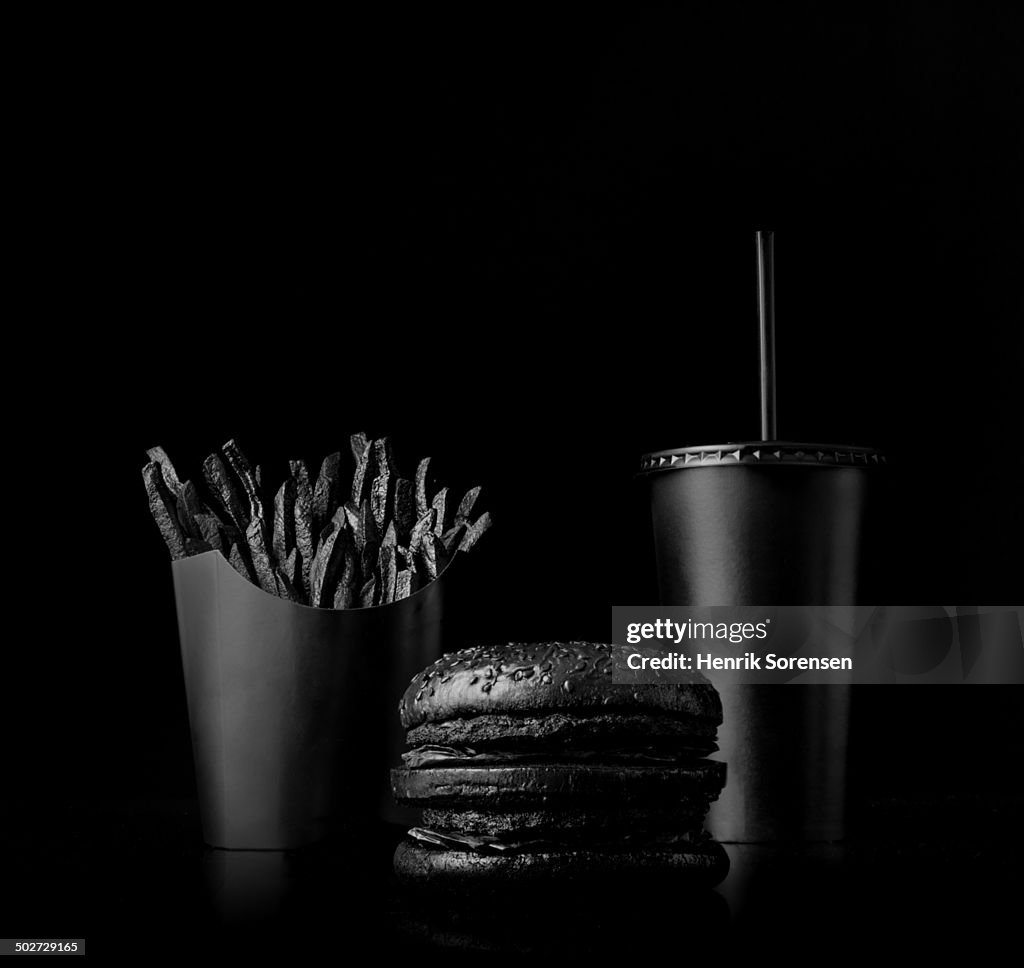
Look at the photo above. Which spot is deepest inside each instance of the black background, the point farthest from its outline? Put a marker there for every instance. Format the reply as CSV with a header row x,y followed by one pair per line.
x,y
525,248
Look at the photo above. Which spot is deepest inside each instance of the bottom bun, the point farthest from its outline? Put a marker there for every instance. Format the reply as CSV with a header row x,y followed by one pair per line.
x,y
698,866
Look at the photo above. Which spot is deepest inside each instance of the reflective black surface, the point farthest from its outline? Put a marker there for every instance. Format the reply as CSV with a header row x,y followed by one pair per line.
x,y
134,877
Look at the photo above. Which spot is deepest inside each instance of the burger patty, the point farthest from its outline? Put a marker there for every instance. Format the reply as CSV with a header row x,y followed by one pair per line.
x,y
570,821
430,755
594,731
540,783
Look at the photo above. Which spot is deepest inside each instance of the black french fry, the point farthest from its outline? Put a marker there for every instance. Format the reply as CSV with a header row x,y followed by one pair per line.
x,y
384,455
466,505
352,516
284,520
387,569
170,475
358,525
426,557
473,533
239,560
453,537
285,588
424,526
441,556
368,560
224,490
211,531
196,546
362,479
403,584
345,593
335,541
189,525
190,508
325,493
291,570
164,510
380,498
255,537
405,508
368,593
422,498
244,472
303,520
359,443
440,504
368,525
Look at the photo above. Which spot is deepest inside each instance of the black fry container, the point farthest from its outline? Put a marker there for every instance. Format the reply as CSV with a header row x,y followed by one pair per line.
x,y
768,523
292,708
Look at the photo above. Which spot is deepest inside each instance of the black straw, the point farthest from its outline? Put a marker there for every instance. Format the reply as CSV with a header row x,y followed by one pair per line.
x,y
766,318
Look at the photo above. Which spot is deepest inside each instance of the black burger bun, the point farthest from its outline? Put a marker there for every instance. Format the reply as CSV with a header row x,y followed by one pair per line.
x,y
529,679
700,866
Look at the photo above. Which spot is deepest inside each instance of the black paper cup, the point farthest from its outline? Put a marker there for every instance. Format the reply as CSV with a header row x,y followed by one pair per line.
x,y
292,708
768,523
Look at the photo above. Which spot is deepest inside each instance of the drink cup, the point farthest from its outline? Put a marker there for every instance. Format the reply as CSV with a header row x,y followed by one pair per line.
x,y
768,523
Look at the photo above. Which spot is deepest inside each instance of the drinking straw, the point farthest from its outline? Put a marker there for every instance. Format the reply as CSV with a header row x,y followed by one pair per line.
x,y
766,319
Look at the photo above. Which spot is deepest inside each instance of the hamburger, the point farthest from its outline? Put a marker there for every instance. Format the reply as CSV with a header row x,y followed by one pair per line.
x,y
531,767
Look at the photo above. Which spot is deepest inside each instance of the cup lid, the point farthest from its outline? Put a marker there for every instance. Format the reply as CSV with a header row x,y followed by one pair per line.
x,y
761,452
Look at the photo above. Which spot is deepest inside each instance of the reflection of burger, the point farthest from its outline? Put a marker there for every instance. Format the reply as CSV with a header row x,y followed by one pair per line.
x,y
531,766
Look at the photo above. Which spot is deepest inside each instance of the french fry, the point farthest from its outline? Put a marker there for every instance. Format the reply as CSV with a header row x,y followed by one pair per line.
x,y
213,532
244,472
255,536
284,520
292,571
352,515
466,505
285,589
452,538
189,506
218,480
424,526
404,515
303,520
387,569
440,505
380,498
365,472
384,456
429,557
422,498
195,546
164,510
327,565
170,475
368,560
368,593
403,583
346,592
359,443
475,531
238,558
325,493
